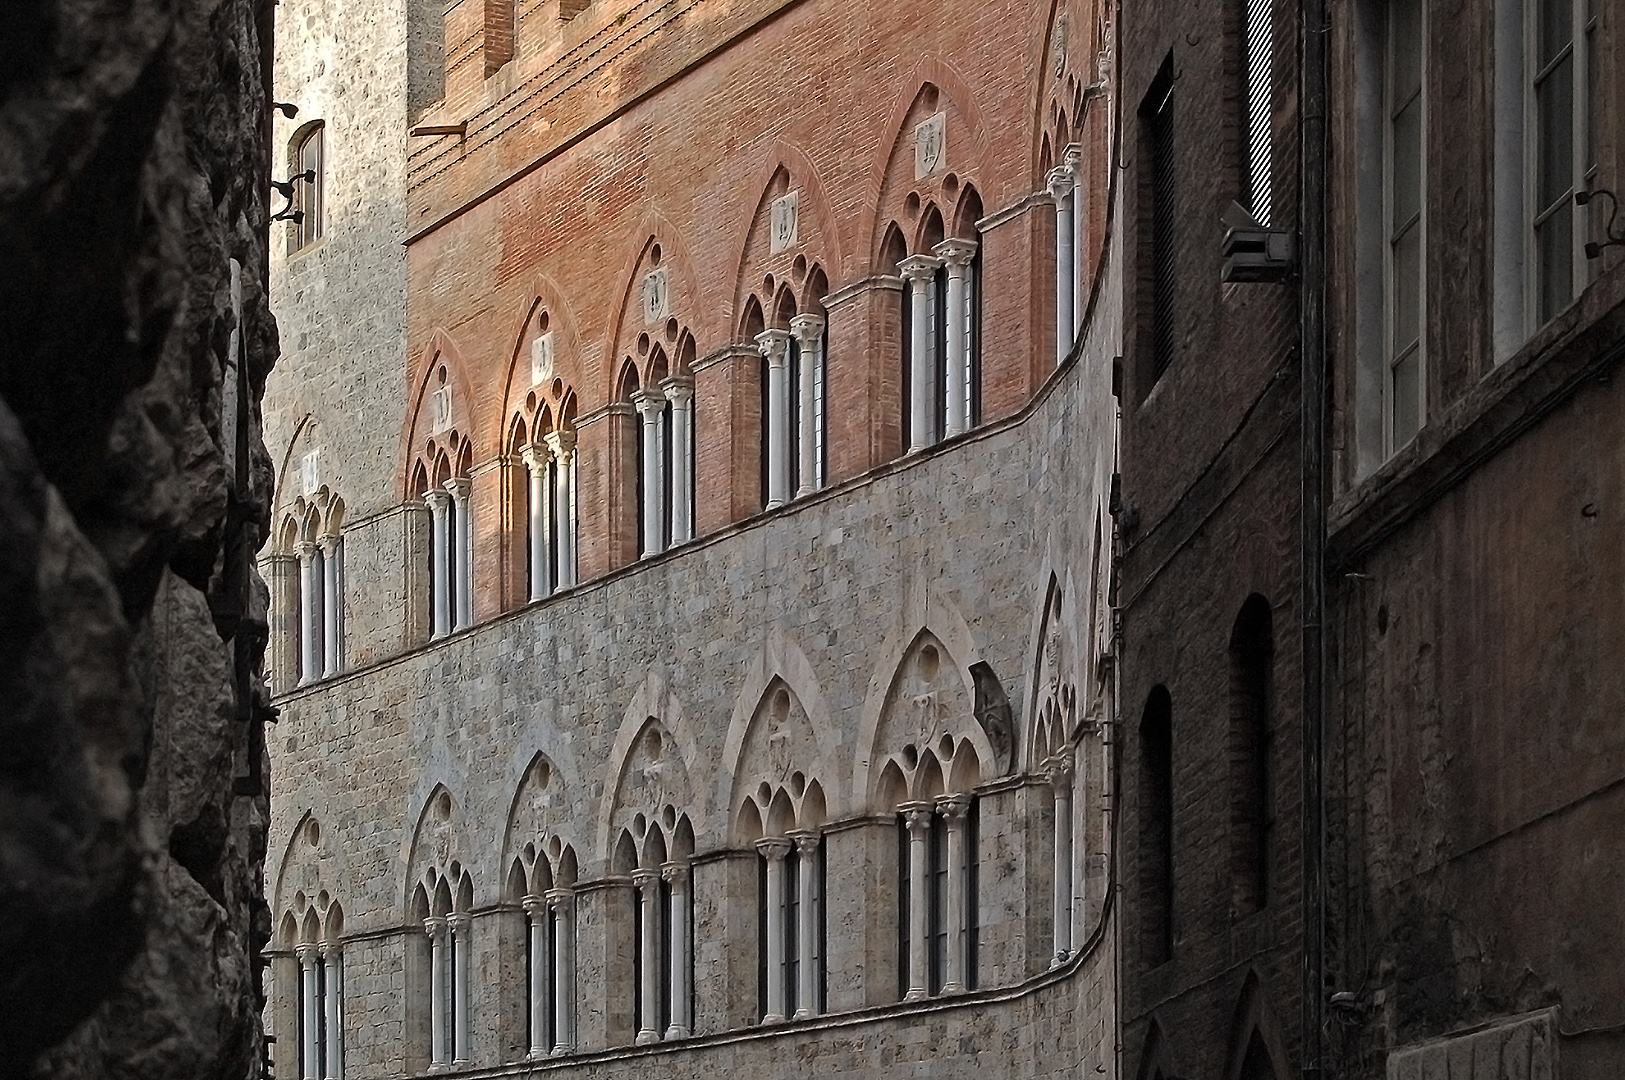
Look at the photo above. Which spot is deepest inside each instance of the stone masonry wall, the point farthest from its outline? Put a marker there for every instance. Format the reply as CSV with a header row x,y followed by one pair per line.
x,y
826,596
134,489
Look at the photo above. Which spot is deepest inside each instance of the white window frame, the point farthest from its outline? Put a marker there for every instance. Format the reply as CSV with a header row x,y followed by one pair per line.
x,y
1582,22
1392,355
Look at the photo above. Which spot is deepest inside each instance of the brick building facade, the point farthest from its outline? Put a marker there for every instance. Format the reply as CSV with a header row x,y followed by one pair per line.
x,y
690,579
1390,608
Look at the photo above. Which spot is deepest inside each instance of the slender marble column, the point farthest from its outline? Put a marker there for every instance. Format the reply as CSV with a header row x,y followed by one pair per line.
x,y
563,445
440,580
1060,189
332,605
332,1001
648,886
774,849
676,875
1073,157
435,927
309,613
462,516
806,926
536,923
917,816
537,459
953,809
460,926
680,392
775,345
1059,767
311,1063
921,271
957,254
651,406
809,334
562,901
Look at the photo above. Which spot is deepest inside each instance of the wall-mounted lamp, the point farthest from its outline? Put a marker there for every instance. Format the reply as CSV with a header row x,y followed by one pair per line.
x,y
1612,237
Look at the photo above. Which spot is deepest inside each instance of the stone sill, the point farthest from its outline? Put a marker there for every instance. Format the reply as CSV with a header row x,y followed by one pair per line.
x,y
839,490
1584,343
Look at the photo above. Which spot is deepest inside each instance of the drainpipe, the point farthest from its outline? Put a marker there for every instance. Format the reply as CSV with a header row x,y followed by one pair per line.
x,y
1312,524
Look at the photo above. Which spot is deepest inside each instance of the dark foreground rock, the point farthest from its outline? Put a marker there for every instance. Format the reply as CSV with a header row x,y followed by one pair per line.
x,y
134,345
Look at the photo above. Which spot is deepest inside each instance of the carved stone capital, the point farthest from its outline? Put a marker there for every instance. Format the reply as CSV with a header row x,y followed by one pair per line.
x,y
919,268
645,878
649,402
458,923
435,926
329,950
953,808
775,345
535,906
674,872
956,252
305,549
458,487
806,840
563,445
307,953
536,457
436,498
917,816
1059,182
561,900
807,327
679,389
773,848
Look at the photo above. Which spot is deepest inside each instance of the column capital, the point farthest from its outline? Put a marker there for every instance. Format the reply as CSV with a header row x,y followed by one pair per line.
x,y
953,807
1058,768
458,921
328,542
773,848
917,815
307,952
329,950
536,457
806,327
774,344
534,905
436,498
645,878
560,898
305,549
674,872
458,487
679,389
562,443
1072,156
435,926
806,840
648,402
918,268
956,252
1059,182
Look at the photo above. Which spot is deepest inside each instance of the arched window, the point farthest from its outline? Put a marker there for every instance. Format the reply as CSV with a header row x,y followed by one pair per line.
x,y
318,990
942,332
306,173
1156,807
312,595
937,896
790,912
548,901
663,952
1252,650
665,452
448,928
451,568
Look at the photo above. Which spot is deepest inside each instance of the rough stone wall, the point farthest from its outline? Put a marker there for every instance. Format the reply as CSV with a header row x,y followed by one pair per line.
x,y
131,176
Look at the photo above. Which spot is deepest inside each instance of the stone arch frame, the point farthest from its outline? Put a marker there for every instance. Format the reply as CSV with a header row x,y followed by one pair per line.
x,y
687,299
1070,54
425,869
892,175
1054,624
827,252
780,662
559,847
652,703
310,867
531,414
419,446
1155,1052
1254,1018
925,610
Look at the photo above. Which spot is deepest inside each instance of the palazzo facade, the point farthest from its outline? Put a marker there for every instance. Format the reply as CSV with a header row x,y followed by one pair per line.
x,y
693,541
